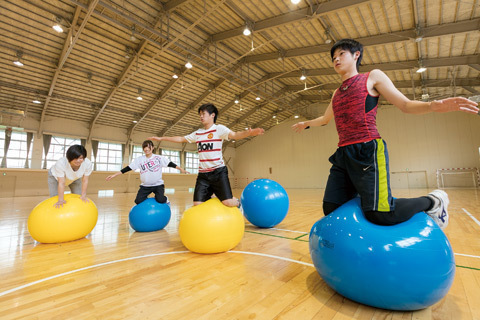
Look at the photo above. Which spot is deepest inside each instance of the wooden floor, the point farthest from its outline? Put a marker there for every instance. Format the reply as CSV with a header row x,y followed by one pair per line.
x,y
116,273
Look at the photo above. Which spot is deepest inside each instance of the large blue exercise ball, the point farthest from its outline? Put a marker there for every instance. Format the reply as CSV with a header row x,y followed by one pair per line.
x,y
149,215
408,266
265,203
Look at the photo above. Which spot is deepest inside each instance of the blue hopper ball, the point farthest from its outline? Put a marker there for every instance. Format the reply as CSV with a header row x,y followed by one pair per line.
x,y
149,215
265,203
408,266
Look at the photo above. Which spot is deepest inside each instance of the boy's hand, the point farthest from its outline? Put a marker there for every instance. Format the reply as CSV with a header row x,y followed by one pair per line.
x,y
84,199
256,131
59,204
299,126
454,104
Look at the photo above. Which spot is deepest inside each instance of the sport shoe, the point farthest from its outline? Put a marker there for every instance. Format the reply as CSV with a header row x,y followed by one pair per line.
x,y
439,212
168,201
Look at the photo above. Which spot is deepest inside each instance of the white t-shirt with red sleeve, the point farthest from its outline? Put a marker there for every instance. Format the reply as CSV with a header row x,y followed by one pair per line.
x,y
209,144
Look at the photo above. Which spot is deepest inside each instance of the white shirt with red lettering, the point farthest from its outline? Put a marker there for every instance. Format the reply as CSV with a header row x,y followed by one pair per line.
x,y
209,144
150,169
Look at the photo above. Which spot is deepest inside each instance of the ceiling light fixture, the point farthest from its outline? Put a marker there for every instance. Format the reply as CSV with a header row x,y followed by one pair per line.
x,y
295,1
237,99
247,31
188,64
328,37
139,98
18,61
57,25
303,77
257,98
421,69
36,101
132,36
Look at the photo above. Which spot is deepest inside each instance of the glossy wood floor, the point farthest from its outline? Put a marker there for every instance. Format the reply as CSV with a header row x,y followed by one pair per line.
x,y
116,273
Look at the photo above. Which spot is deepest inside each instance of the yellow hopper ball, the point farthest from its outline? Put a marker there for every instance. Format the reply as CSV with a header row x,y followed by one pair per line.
x,y
73,221
211,227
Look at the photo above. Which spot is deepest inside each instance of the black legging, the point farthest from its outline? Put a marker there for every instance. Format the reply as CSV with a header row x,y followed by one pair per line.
x,y
404,210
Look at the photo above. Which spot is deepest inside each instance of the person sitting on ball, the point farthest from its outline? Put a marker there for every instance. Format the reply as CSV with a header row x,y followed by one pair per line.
x,y
150,166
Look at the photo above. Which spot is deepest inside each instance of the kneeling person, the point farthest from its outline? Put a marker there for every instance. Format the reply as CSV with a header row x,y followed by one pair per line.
x,y
150,166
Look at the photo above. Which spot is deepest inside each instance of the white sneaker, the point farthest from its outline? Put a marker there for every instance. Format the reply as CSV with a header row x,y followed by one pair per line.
x,y
168,201
439,212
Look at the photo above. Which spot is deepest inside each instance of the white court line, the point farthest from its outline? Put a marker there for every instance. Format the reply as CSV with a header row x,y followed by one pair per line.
x,y
248,224
135,258
470,215
272,256
466,255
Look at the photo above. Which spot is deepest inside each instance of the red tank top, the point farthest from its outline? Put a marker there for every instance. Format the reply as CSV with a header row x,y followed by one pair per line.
x,y
355,111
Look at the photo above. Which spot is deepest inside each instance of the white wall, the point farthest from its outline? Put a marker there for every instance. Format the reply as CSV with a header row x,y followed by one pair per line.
x,y
415,143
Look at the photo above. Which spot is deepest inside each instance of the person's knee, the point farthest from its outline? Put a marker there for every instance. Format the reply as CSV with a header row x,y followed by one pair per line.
x,y
329,207
234,202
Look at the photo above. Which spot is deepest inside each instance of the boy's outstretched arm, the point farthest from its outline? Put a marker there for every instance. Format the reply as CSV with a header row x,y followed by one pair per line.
x,y
178,139
320,121
386,88
247,133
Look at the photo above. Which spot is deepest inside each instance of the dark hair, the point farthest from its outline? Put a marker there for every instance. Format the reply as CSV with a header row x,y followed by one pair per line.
x,y
210,108
350,45
147,143
75,152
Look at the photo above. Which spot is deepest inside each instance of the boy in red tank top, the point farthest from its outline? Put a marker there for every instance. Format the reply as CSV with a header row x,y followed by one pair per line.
x,y
360,165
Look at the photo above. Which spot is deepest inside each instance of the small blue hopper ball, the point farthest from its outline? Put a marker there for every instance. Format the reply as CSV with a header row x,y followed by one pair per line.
x,y
407,266
149,215
265,203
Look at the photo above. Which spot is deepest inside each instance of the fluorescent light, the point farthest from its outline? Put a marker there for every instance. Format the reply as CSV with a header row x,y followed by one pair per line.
x,y
421,69
36,101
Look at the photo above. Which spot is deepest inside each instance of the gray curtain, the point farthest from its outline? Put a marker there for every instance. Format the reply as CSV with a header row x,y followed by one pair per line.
x,y
29,144
47,138
8,137
95,150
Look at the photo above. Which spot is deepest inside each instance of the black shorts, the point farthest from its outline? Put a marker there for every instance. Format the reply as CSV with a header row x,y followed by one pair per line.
x,y
361,169
215,182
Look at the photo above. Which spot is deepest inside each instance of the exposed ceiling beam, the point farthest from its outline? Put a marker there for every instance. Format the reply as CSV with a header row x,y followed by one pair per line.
x,y
150,107
119,81
70,41
173,4
293,16
389,66
402,84
387,38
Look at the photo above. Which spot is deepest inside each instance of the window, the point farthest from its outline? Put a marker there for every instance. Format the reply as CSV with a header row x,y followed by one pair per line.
x,y
109,156
174,156
58,149
191,162
17,151
137,151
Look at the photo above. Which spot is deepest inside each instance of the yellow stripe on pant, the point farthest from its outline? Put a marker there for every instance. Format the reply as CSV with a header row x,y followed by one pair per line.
x,y
383,203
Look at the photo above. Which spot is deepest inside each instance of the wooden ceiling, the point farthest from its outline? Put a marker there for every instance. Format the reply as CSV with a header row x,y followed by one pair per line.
x,y
112,51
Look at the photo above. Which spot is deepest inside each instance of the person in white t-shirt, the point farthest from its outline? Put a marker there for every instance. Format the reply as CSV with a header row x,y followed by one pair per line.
x,y
72,171
212,173
150,166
